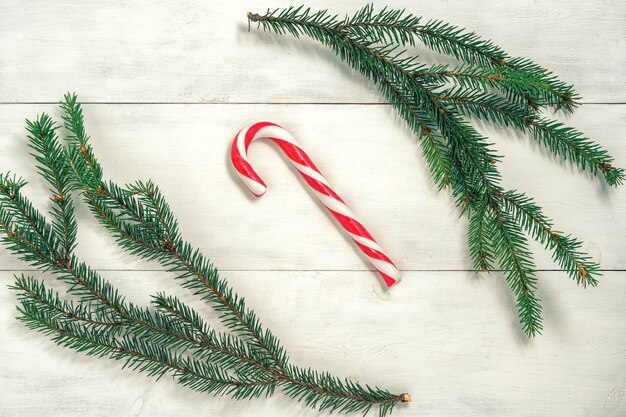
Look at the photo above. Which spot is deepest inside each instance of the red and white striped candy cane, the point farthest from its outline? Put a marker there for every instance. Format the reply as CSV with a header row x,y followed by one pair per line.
x,y
313,177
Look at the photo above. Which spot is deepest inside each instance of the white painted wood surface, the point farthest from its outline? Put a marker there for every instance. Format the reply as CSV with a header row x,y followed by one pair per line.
x,y
177,76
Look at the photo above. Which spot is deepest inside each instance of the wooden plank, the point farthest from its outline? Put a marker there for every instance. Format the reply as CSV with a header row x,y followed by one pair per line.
x,y
449,338
365,152
200,51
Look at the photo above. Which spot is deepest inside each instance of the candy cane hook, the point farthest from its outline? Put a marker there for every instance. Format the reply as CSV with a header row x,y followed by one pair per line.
x,y
313,177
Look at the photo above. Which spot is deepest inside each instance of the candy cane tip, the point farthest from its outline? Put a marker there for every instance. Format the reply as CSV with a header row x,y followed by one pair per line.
x,y
390,282
257,188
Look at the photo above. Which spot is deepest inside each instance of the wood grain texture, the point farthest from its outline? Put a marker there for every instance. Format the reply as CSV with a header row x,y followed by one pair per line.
x,y
200,51
447,335
451,339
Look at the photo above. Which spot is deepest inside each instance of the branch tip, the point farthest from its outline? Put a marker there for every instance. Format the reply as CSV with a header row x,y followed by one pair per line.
x,y
405,397
253,17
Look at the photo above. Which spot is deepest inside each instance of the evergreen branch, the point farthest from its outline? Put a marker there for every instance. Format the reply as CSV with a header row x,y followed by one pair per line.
x,y
32,291
516,86
147,339
24,237
565,249
138,354
489,84
195,272
563,141
84,281
393,73
74,123
325,392
174,307
126,235
399,27
386,25
480,244
151,197
555,93
443,164
231,352
142,222
15,208
433,147
511,249
99,294
50,157
396,26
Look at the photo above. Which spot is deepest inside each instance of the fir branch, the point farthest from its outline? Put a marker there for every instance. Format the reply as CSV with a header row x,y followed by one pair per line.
x,y
247,361
396,26
106,301
142,201
480,244
81,153
151,197
516,86
563,141
511,249
195,272
34,292
138,354
325,392
565,249
490,84
50,157
32,230
393,73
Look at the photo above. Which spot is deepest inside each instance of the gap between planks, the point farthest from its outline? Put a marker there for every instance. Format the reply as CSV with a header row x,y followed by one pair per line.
x,y
243,103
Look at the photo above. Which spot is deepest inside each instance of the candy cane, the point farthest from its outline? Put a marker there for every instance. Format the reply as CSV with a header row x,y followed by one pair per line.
x,y
313,177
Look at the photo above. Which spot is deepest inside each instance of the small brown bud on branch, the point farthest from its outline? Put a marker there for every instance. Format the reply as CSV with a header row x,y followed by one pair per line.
x,y
253,17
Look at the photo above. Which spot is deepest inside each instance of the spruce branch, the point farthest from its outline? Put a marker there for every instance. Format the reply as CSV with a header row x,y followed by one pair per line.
x,y
563,141
565,249
169,337
138,354
390,26
435,101
401,28
50,156
34,292
105,301
123,213
480,244
197,274
511,249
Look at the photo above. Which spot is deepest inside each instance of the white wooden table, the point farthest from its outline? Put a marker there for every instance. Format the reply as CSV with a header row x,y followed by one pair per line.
x,y
168,84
